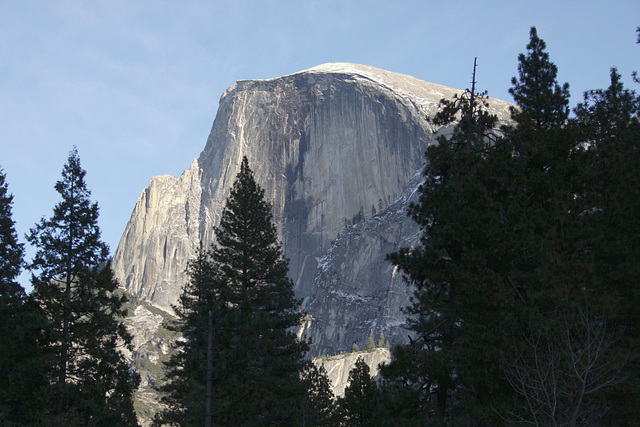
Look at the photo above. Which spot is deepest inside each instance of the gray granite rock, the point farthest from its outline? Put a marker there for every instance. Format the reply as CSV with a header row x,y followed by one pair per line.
x,y
339,366
325,144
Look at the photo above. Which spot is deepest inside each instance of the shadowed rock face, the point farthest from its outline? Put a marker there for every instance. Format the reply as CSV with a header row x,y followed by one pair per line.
x,y
356,291
324,143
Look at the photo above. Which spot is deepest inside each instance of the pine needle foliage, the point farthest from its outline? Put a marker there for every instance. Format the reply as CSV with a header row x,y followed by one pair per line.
x,y
11,251
20,376
608,126
185,391
541,102
360,403
266,356
524,231
91,383
455,295
238,316
318,406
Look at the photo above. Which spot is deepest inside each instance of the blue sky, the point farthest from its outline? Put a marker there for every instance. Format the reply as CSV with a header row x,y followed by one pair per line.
x,y
135,84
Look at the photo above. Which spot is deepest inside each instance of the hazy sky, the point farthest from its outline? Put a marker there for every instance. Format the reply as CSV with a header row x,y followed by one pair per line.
x,y
135,84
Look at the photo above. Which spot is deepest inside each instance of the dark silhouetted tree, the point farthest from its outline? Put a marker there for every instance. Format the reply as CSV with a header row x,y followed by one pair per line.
x,y
541,102
23,364
12,298
521,231
91,383
265,354
196,369
453,312
359,405
500,221
11,251
608,125
318,405
238,317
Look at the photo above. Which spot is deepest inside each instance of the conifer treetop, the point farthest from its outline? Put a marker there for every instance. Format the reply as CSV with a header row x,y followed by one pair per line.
x,y
541,101
11,251
69,242
247,236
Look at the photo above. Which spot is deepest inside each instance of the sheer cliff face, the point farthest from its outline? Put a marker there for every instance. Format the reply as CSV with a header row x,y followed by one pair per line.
x,y
324,144
338,367
160,238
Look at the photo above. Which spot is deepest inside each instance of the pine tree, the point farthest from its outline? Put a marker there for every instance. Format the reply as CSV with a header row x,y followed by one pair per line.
x,y
608,126
11,251
318,404
546,181
371,342
454,314
22,363
237,317
382,343
188,390
12,295
359,405
407,386
548,206
91,383
541,102
548,197
265,354
521,233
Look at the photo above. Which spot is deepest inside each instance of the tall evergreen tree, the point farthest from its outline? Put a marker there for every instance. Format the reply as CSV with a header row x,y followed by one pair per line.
x,y
238,316
266,356
318,404
194,390
382,343
371,342
359,406
11,251
91,383
541,102
608,125
12,295
545,175
501,222
561,189
544,155
20,376
453,312
529,244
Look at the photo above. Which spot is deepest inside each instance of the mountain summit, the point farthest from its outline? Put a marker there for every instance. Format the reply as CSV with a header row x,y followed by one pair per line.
x,y
338,149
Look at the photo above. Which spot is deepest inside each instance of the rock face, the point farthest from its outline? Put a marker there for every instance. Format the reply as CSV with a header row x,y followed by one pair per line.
x,y
338,367
161,238
356,291
329,145
152,344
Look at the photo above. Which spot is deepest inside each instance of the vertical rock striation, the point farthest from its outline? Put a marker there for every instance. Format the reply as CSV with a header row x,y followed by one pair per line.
x,y
326,144
356,291
160,238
